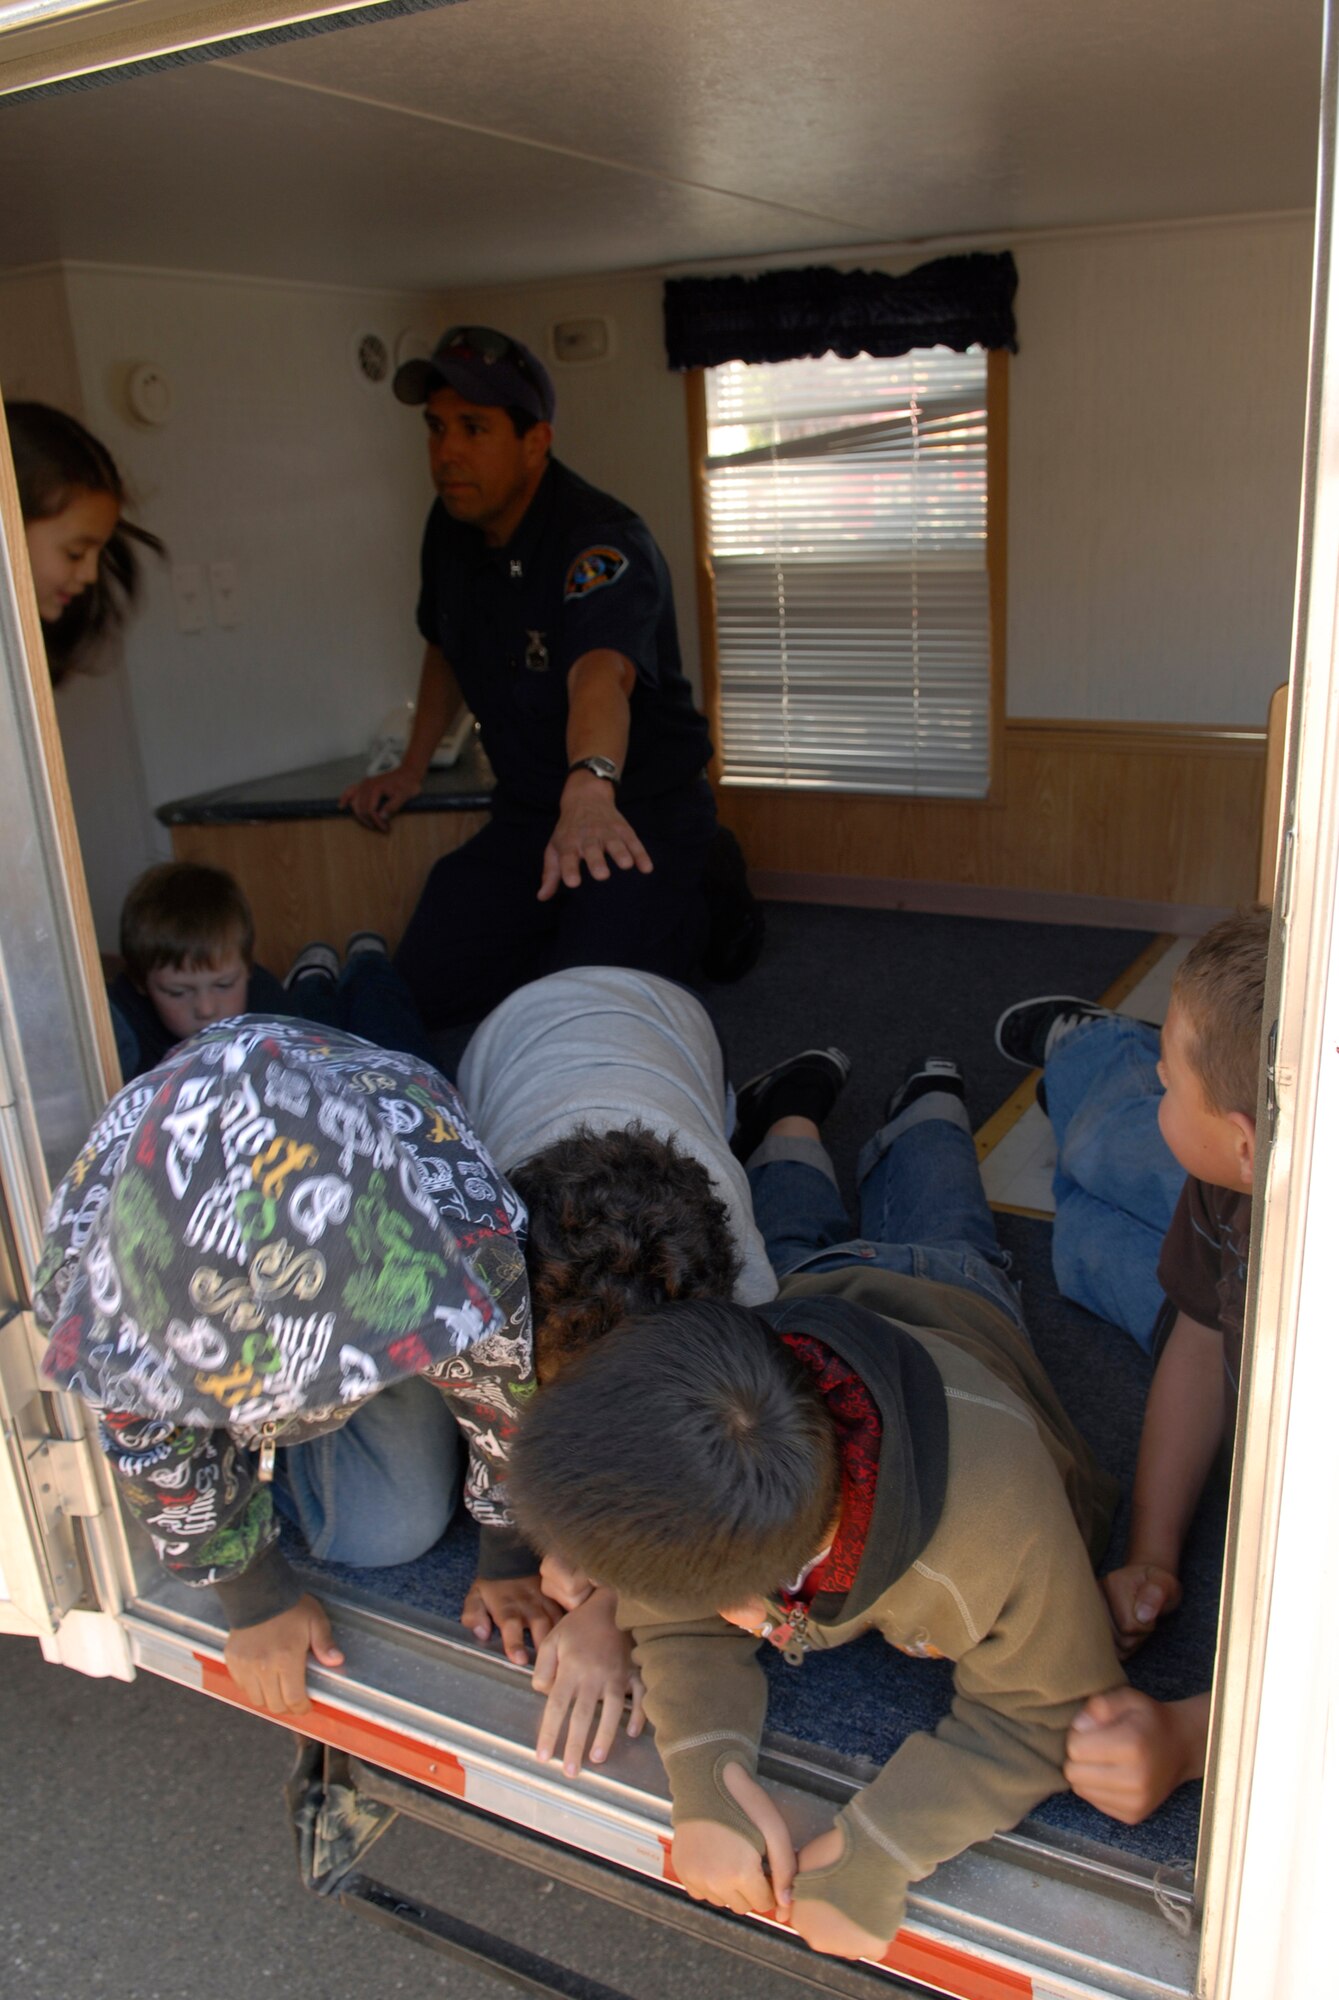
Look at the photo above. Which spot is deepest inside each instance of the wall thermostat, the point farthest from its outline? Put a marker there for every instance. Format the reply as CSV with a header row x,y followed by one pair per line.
x,y
149,393
577,340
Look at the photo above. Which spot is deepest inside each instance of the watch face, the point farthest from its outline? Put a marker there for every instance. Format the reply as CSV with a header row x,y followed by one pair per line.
x,y
601,766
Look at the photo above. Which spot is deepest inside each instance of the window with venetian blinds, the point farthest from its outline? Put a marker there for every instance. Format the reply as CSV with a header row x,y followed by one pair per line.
x,y
847,512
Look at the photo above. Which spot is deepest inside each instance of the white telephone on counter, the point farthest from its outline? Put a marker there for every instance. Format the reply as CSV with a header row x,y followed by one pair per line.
x,y
392,735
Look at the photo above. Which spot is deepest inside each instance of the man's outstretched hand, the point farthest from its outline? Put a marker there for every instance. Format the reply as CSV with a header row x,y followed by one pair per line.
x,y
591,832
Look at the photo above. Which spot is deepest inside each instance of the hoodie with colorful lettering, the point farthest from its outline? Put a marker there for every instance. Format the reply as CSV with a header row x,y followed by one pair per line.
x,y
268,1228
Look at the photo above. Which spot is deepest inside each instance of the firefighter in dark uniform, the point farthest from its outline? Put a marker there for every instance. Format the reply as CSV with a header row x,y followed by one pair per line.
x,y
547,607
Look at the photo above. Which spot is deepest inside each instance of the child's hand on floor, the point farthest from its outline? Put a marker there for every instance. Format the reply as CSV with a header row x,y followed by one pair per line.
x,y
563,1582
585,1664
515,1604
717,1865
1125,1753
822,1927
269,1661
1137,1596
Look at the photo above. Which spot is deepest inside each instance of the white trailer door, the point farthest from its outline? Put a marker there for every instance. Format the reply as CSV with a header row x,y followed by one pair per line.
x,y
1271,1856
62,1557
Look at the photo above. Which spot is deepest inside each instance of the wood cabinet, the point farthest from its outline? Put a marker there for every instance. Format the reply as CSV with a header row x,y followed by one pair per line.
x,y
310,871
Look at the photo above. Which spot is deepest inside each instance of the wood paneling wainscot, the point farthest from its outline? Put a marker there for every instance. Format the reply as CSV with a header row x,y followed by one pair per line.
x,y
1135,813
323,878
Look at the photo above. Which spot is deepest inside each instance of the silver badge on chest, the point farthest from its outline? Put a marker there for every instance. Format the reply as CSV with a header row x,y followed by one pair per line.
x,y
536,652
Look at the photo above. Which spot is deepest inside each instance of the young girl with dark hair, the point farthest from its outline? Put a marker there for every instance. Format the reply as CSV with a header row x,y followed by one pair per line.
x,y
80,546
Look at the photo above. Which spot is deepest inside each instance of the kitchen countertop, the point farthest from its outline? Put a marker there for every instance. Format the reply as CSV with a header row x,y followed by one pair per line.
x,y
313,793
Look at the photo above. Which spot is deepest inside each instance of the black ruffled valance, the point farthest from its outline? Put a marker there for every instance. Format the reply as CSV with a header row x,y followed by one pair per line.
x,y
956,302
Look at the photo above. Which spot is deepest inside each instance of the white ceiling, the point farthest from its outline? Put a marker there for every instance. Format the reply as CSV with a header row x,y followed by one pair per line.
x,y
501,139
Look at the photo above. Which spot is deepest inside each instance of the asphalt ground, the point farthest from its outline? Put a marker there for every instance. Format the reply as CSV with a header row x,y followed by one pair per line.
x,y
145,1854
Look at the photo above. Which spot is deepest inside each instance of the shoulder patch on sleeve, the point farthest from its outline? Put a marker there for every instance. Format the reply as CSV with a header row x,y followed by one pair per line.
x,y
592,570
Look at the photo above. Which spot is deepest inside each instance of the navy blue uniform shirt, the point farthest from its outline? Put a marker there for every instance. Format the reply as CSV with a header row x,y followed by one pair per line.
x,y
581,572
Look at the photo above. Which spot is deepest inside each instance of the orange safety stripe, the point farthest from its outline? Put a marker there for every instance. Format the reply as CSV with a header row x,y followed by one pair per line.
x,y
943,1967
407,1756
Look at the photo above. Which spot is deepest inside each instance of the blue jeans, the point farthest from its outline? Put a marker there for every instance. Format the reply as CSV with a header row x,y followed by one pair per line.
x,y
923,1211
381,1489
1116,1183
368,999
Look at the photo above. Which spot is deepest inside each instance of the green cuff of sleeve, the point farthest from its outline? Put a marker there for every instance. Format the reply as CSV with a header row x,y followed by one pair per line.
x,y
869,1883
696,1767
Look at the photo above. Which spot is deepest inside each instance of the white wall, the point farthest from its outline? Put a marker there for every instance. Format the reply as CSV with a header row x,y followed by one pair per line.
x,y
1155,454
37,357
279,459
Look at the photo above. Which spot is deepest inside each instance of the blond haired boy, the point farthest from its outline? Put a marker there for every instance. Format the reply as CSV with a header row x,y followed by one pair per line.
x,y
1126,1752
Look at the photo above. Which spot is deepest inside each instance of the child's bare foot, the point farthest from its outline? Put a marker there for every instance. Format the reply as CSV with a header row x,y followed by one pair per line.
x,y
1125,1753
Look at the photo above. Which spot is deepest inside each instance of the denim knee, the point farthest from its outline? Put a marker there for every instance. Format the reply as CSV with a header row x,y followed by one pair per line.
x,y
380,1538
381,1489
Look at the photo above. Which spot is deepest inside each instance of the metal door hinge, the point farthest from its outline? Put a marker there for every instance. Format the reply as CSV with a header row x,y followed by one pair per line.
x,y
63,1480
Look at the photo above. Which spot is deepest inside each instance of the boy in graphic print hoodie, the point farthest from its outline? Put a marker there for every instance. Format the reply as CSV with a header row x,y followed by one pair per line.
x,y
280,1266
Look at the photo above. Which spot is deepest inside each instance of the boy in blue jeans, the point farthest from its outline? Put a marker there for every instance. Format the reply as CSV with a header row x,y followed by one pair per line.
x,y
923,1210
1116,1181
1126,1752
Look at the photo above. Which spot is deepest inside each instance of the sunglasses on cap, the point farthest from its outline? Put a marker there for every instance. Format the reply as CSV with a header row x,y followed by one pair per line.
x,y
485,343
486,364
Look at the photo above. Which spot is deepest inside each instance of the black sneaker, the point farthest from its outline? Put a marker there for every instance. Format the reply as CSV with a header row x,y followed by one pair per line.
x,y
804,1086
360,941
314,960
1026,1031
934,1073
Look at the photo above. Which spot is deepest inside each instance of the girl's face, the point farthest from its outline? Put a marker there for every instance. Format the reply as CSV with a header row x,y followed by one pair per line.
x,y
64,548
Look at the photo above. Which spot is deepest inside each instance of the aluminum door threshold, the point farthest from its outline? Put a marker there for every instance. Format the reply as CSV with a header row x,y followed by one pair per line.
x,y
1025,1914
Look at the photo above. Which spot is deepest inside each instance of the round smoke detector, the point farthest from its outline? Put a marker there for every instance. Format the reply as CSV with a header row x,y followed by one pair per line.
x,y
372,358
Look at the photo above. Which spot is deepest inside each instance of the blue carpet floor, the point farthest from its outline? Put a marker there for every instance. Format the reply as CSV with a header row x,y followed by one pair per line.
x,y
891,987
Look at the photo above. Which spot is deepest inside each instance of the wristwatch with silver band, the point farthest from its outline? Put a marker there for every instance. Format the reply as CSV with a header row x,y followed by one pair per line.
x,y
603,767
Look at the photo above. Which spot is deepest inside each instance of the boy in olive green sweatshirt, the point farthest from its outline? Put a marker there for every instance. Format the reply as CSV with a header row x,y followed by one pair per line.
x,y
878,1447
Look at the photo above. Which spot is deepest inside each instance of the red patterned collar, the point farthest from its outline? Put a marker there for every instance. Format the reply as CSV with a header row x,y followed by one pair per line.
x,y
859,1437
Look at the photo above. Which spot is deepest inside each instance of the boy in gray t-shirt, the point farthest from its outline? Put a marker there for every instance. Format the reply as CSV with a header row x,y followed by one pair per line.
x,y
601,1050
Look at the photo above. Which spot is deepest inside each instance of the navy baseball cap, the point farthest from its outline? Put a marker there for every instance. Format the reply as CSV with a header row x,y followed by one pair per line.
x,y
484,366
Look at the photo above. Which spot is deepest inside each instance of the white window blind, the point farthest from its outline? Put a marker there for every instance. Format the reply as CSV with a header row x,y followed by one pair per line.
x,y
848,539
